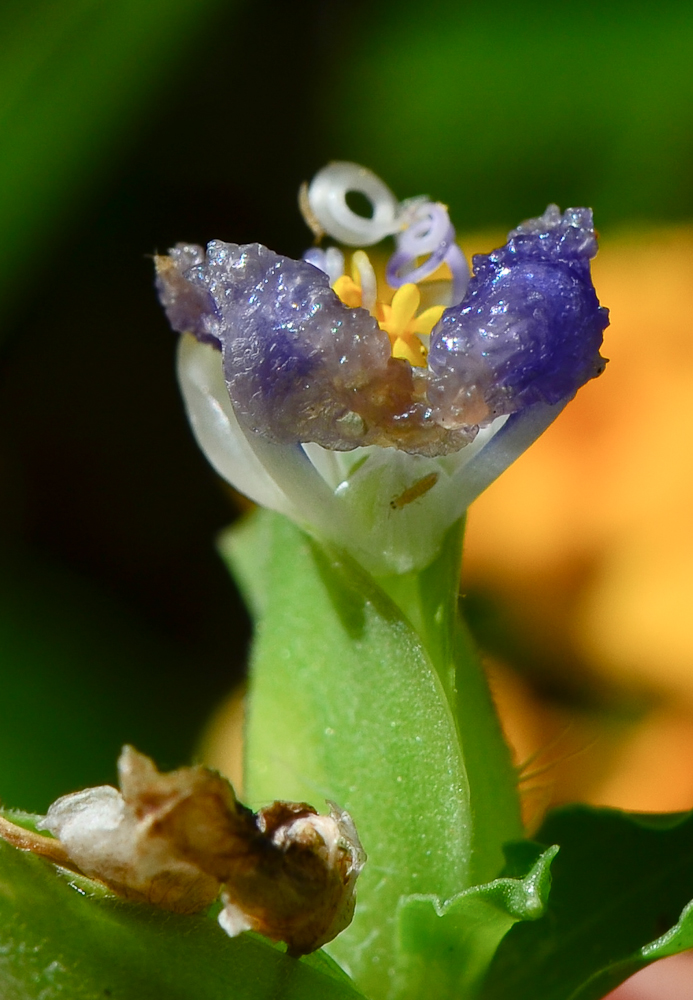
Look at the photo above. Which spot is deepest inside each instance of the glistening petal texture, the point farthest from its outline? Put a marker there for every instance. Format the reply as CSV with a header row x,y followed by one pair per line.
x,y
189,308
294,355
299,365
299,403
530,326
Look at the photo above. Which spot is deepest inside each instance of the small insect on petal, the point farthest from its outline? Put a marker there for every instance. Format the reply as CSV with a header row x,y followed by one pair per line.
x,y
415,492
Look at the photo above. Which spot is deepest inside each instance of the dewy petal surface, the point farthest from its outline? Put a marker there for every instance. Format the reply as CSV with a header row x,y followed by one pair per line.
x,y
299,365
530,326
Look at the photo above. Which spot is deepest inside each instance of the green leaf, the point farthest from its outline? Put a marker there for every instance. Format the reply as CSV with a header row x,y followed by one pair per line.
x,y
448,947
352,700
622,886
62,936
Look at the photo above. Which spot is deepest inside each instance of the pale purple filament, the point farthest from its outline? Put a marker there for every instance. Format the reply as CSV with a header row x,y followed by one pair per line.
x,y
330,261
430,232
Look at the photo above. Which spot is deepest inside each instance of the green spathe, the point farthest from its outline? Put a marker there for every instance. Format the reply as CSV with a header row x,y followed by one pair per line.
x,y
352,700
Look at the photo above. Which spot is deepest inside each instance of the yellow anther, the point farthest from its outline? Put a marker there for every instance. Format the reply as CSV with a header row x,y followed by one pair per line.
x,y
399,321
411,349
426,320
405,302
348,291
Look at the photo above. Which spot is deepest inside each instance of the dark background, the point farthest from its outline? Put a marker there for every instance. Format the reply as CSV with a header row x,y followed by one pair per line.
x,y
125,127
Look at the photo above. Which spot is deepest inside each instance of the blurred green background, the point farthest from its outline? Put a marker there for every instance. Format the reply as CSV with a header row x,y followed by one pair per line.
x,y
126,126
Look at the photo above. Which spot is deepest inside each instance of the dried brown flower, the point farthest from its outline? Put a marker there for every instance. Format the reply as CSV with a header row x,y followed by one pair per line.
x,y
176,840
299,887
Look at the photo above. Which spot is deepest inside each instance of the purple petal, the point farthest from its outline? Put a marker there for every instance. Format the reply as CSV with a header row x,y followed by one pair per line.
x,y
300,365
189,308
530,327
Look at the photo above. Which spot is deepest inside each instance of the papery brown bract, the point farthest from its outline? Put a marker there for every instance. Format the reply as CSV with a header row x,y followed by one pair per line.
x,y
148,842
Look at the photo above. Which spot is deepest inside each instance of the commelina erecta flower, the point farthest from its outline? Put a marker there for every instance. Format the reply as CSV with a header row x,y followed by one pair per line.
x,y
373,412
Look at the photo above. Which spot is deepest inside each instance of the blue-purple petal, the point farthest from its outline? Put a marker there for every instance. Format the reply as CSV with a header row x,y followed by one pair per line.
x,y
300,366
530,326
189,307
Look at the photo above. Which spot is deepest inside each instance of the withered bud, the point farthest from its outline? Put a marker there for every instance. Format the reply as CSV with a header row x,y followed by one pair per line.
x,y
300,886
175,840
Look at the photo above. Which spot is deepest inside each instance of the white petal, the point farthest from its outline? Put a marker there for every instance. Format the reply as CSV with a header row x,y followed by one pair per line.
x,y
515,436
278,476
392,512
216,427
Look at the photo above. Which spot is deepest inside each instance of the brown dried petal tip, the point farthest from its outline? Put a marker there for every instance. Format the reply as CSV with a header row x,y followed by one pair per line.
x,y
147,842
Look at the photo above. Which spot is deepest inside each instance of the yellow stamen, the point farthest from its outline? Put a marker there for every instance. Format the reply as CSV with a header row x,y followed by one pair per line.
x,y
412,350
399,321
348,291
405,302
426,320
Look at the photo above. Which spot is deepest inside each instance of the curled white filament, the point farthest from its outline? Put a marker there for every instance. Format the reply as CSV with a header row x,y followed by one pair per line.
x,y
327,201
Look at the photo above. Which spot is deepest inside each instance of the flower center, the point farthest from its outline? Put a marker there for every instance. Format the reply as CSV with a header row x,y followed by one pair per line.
x,y
400,319
424,239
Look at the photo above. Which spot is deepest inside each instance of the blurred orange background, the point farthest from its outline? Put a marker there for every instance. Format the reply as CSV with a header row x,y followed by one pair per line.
x,y
586,547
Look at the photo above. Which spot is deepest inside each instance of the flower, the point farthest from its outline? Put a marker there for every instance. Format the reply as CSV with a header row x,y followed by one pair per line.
x,y
339,403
